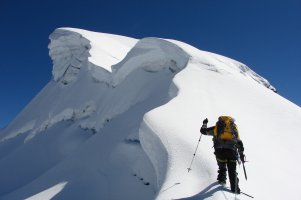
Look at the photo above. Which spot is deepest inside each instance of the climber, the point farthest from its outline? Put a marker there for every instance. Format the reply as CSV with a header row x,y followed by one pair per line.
x,y
228,149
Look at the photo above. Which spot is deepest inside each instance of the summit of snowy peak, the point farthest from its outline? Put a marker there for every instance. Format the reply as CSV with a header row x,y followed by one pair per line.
x,y
71,49
106,49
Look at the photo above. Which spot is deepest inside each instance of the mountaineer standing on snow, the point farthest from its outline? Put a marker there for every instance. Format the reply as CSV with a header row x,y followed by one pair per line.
x,y
228,148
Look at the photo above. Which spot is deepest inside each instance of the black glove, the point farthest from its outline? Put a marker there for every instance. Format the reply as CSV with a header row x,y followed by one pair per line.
x,y
205,121
242,157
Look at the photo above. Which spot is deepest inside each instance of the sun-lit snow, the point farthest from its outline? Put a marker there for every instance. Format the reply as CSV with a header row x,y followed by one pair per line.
x,y
120,119
49,193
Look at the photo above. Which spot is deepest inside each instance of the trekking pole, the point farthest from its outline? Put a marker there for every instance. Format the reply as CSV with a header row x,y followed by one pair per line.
x,y
189,168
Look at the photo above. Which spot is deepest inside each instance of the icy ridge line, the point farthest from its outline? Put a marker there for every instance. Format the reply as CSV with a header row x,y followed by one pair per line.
x,y
73,52
221,64
73,49
149,55
69,51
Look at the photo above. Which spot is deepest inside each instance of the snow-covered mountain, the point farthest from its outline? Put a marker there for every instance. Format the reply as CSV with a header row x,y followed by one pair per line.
x,y
120,119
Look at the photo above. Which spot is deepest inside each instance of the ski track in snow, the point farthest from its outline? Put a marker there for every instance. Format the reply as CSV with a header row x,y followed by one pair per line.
x,y
123,115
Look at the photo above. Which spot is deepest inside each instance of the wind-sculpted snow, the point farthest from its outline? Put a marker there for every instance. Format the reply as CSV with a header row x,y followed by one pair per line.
x,y
69,51
136,85
152,55
72,49
81,74
147,56
120,119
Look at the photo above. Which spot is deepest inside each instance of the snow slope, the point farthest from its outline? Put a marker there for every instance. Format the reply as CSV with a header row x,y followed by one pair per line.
x,y
120,119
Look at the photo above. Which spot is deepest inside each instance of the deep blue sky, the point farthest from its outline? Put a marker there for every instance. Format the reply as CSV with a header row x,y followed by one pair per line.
x,y
265,35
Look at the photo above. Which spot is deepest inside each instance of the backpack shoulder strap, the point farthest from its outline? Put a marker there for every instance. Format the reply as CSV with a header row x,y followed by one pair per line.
x,y
219,129
234,130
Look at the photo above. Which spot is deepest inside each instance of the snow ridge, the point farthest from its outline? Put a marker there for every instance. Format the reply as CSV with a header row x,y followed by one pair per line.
x,y
141,80
120,119
71,49
222,64
152,55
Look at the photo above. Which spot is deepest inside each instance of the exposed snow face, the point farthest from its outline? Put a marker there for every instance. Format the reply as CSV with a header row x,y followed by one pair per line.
x,y
68,52
152,55
121,119
71,49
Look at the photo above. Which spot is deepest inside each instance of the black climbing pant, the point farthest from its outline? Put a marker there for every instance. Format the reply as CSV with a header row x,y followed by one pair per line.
x,y
226,160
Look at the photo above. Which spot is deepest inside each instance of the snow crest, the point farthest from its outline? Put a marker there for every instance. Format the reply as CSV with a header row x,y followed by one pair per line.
x,y
148,56
120,119
152,55
71,49
113,107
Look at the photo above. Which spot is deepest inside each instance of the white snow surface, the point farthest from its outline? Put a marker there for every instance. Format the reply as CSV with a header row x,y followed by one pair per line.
x,y
120,119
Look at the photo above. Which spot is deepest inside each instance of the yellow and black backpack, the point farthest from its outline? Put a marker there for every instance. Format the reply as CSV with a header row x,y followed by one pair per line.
x,y
225,132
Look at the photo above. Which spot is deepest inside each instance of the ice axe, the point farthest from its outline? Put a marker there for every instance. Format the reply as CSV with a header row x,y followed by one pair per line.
x,y
243,165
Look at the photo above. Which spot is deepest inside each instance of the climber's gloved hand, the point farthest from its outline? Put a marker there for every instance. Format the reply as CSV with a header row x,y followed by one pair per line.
x,y
204,127
242,157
